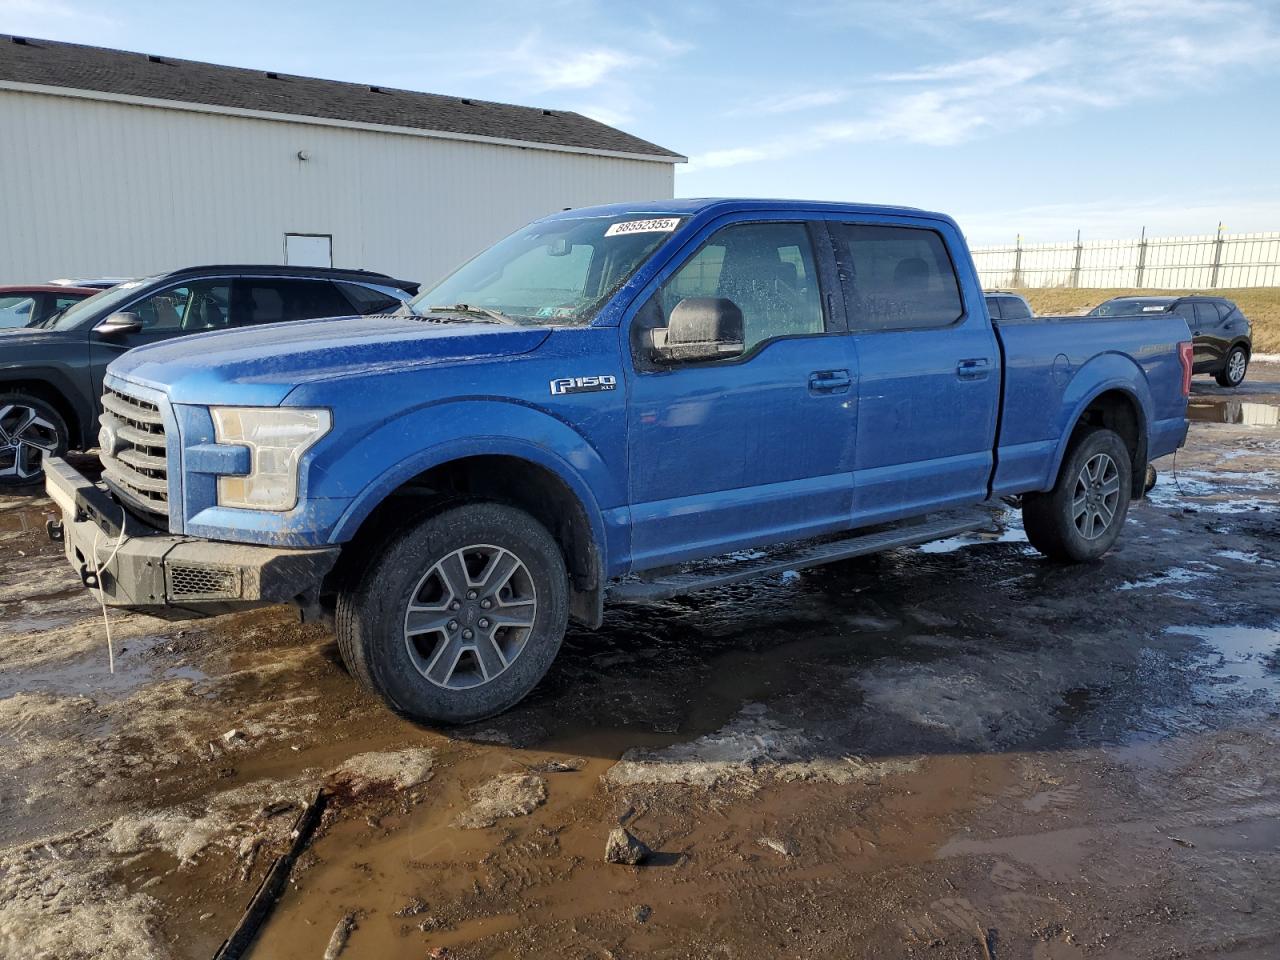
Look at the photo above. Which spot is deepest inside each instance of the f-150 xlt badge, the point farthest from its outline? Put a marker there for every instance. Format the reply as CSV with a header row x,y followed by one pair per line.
x,y
583,384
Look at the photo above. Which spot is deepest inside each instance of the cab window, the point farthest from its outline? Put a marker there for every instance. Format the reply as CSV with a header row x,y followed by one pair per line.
x,y
766,269
896,278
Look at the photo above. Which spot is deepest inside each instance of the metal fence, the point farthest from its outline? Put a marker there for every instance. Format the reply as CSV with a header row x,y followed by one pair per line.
x,y
1220,260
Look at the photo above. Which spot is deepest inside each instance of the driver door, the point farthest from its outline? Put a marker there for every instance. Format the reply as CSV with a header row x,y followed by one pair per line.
x,y
192,307
753,448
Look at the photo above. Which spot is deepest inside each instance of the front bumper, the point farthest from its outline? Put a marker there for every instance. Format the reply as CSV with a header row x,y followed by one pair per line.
x,y
175,577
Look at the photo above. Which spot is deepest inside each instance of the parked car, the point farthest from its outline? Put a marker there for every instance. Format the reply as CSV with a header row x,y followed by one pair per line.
x,y
1222,335
1003,305
593,404
51,374
30,304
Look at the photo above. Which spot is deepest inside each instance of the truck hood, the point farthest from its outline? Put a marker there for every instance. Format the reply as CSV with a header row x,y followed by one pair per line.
x,y
258,366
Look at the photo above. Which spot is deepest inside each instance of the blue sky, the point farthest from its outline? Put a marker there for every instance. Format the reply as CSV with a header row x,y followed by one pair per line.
x,y
1029,116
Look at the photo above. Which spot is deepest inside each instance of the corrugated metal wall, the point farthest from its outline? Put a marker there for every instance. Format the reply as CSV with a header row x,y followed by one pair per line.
x,y
1169,263
91,188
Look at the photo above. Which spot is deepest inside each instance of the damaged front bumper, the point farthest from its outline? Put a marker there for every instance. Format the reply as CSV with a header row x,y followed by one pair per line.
x,y
170,576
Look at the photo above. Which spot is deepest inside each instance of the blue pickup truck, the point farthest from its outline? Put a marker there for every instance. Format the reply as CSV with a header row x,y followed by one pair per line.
x,y
612,404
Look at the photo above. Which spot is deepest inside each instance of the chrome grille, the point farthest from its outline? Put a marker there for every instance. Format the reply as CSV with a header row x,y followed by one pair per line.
x,y
133,451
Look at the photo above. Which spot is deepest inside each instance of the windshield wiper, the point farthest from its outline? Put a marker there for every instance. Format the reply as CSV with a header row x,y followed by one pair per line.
x,y
493,316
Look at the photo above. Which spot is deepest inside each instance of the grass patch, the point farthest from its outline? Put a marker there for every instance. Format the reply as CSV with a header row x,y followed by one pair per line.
x,y
1260,304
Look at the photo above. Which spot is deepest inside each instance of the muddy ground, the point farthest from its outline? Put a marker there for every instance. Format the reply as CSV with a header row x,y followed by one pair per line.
x,y
958,751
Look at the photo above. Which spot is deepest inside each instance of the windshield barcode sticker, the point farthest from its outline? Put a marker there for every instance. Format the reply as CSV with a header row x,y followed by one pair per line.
x,y
664,225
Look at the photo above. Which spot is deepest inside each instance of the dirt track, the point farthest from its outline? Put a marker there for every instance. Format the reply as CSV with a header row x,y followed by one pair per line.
x,y
957,751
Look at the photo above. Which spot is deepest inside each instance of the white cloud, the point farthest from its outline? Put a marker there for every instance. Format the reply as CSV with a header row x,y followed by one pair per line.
x,y
792,102
49,19
1053,63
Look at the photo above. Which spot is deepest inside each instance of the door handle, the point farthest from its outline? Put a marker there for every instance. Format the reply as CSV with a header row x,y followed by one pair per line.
x,y
829,381
975,368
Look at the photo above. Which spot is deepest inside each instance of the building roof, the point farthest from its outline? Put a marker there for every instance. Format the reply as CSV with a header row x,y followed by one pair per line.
x,y
119,73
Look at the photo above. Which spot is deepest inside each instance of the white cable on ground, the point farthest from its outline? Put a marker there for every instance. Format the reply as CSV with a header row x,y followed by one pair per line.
x,y
97,576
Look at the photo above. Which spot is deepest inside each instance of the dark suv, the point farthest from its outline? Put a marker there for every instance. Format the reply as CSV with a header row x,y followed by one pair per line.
x,y
1222,334
1003,305
51,374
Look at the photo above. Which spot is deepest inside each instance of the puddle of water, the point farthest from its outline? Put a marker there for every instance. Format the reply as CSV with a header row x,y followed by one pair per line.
x,y
1243,412
1248,658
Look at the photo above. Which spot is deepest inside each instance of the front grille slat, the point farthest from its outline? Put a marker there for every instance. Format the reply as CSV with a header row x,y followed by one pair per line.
x,y
127,408
136,466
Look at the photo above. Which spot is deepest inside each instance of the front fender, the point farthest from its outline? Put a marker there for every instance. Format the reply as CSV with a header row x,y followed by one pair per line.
x,y
1103,373
394,454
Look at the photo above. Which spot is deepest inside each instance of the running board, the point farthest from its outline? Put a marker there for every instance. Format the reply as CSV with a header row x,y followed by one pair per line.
x,y
706,574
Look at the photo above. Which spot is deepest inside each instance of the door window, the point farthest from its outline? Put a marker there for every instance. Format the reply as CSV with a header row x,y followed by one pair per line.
x,y
187,308
896,278
766,269
1186,311
269,300
1014,308
1206,315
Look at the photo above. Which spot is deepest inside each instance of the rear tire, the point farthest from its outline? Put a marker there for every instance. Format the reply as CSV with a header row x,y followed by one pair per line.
x,y
459,617
1234,369
1081,517
30,430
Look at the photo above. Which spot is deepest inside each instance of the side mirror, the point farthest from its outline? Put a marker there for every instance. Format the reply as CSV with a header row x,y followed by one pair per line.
x,y
118,324
700,328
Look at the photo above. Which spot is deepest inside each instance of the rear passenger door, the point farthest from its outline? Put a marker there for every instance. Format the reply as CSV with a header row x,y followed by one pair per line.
x,y
928,370
260,300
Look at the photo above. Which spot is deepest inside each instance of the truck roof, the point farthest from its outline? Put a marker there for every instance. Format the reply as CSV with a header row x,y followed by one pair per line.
x,y
689,206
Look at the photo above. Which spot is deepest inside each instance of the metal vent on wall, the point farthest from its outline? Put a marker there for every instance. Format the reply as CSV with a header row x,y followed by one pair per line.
x,y
202,582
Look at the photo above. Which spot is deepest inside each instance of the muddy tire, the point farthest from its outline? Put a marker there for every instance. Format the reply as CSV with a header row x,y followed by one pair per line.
x,y
1081,517
1233,370
458,617
30,430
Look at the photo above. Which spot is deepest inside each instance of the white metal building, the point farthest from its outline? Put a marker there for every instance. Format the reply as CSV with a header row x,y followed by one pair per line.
x,y
125,164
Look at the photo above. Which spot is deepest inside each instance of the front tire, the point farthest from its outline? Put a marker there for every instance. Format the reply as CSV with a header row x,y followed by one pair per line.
x,y
1233,371
459,617
30,430
1081,517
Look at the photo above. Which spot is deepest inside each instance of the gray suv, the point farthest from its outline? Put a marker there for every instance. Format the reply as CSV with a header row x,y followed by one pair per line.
x,y
51,375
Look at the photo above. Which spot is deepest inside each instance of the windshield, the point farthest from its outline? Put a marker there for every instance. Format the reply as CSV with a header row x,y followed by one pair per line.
x,y
1128,308
555,272
100,303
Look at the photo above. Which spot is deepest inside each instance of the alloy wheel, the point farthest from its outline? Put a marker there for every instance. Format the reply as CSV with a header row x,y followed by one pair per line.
x,y
470,616
1096,494
26,438
1236,366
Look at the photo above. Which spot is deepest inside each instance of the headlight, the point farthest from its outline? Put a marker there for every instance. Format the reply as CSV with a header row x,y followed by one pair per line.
x,y
277,437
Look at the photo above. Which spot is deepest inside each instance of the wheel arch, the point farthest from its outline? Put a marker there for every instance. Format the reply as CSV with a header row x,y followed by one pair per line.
x,y
1118,406
52,392
516,473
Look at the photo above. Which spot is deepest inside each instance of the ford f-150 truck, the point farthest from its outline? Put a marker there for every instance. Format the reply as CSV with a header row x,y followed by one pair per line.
x,y
611,404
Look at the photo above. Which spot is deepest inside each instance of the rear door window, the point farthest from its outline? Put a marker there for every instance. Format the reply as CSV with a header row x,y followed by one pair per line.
x,y
1207,314
896,278
1014,308
274,300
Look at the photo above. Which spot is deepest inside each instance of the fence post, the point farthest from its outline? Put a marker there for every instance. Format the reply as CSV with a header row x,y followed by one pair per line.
x,y
1075,269
1142,258
1217,257
1017,263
